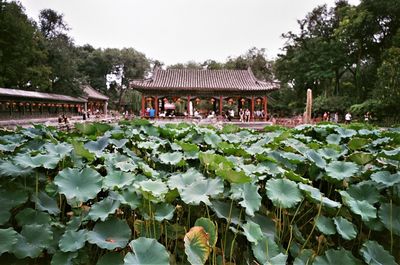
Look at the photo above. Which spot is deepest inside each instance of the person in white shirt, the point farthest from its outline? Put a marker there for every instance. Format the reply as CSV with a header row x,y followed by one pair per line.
x,y
347,117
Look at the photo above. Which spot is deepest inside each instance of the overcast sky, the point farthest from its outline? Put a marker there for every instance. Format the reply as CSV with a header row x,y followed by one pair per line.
x,y
175,31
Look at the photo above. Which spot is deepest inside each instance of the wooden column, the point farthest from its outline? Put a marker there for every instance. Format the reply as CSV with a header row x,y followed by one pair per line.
x,y
143,113
188,106
220,106
156,105
252,109
265,102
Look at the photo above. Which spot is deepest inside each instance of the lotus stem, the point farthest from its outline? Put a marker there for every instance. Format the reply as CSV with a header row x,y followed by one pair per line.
x,y
290,239
312,230
227,227
391,226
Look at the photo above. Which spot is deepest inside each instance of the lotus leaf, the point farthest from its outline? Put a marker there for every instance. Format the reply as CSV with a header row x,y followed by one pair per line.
x,y
81,185
389,215
252,231
61,150
340,256
329,153
142,228
111,234
182,180
171,158
345,133
361,158
201,190
81,151
212,139
9,168
248,195
325,225
197,247
98,146
317,197
101,210
62,258
266,224
340,170
363,208
30,216
316,158
130,197
364,191
333,139
45,203
373,253
304,257
357,143
283,193
210,229
223,210
386,178
267,252
73,240
111,258
156,188
164,211
47,161
8,238
32,240
346,229
119,143
146,251
117,179
232,175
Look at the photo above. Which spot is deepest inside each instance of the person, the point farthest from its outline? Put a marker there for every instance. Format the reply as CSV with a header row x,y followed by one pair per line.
x,y
197,114
336,117
347,117
325,116
241,115
247,115
228,115
232,113
152,113
367,117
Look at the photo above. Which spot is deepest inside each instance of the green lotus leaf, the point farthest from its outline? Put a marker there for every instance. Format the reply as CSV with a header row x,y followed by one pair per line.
x,y
171,158
333,139
46,203
32,240
389,215
223,210
60,150
142,228
197,248
78,184
9,168
210,228
252,232
117,179
62,258
183,180
267,252
8,147
101,210
386,178
12,198
8,238
111,234
214,161
295,177
316,158
364,192
340,170
129,197
156,188
361,158
4,215
119,143
126,166
47,161
325,225
357,143
283,193
30,216
112,258
98,146
146,251
314,195
201,190
72,240
266,224
373,253
148,171
212,139
248,195
81,151
345,133
232,175
329,153
363,208
164,211
333,257
292,157
304,257
381,141
346,229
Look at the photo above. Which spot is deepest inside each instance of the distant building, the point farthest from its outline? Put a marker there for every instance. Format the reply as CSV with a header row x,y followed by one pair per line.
x,y
20,104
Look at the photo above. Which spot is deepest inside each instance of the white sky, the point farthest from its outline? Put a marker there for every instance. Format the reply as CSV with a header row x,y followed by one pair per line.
x,y
175,31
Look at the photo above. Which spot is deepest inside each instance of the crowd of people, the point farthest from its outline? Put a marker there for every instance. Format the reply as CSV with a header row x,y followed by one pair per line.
x,y
327,116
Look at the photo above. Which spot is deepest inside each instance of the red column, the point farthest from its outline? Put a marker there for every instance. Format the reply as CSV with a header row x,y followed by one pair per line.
x,y
142,114
156,105
188,106
265,102
252,109
220,106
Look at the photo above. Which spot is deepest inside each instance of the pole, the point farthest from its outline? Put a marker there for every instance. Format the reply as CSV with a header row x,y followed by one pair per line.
x,y
220,106
252,108
142,114
156,105
265,102
188,106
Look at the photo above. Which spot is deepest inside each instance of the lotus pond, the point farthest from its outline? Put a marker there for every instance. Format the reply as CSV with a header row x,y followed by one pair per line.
x,y
134,193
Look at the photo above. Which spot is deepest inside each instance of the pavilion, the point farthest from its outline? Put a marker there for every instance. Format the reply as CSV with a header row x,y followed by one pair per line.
x,y
222,89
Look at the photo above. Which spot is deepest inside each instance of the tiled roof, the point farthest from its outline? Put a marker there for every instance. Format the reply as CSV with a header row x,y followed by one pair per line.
x,y
17,93
93,93
204,80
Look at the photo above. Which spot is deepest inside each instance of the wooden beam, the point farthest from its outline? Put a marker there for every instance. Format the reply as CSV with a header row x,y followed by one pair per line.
x,y
143,113
220,106
156,105
252,109
188,106
265,102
